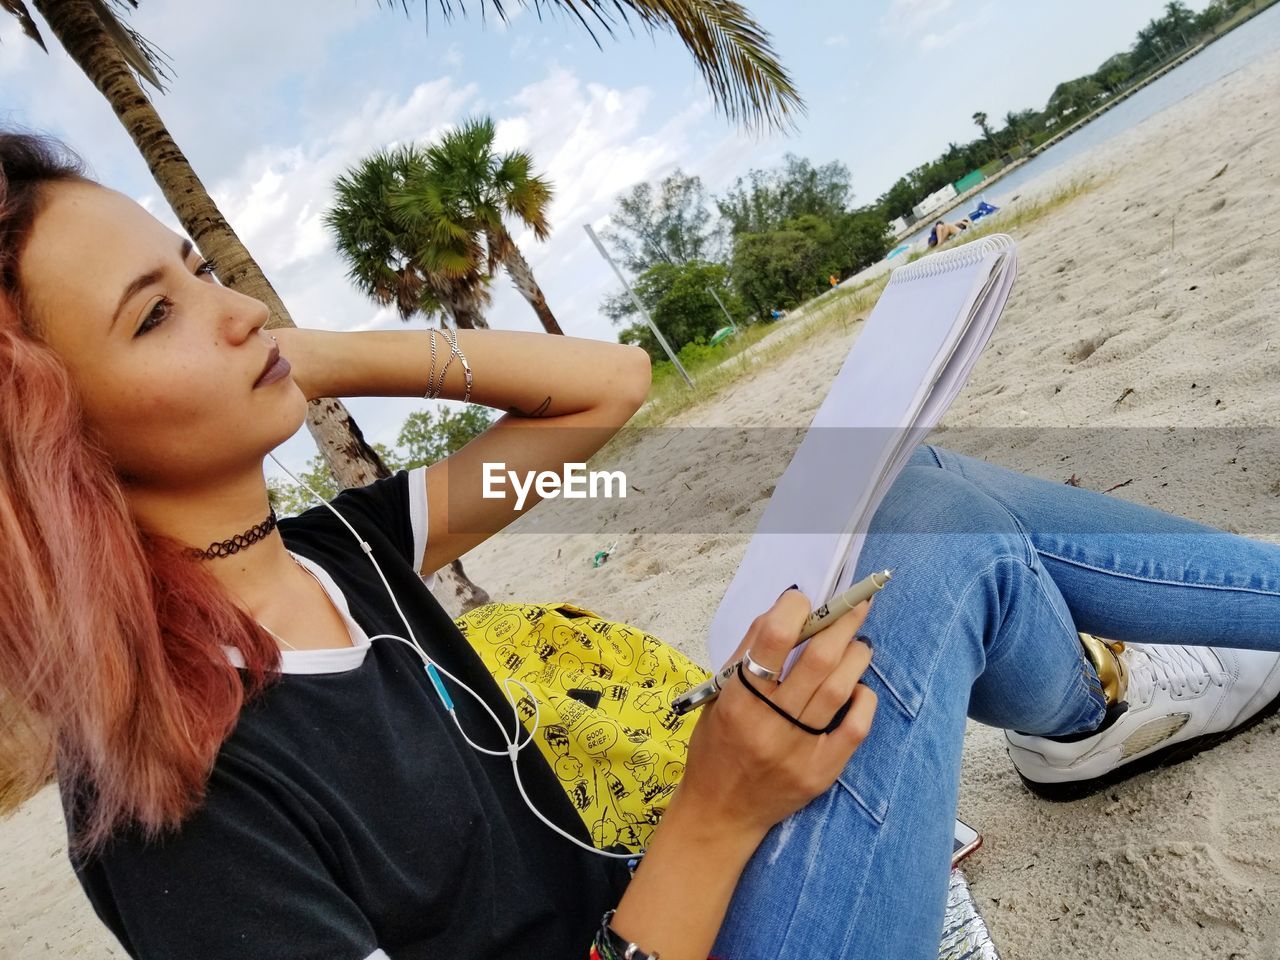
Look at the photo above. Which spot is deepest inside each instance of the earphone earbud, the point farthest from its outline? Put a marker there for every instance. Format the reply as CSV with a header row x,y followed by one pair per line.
x,y
436,674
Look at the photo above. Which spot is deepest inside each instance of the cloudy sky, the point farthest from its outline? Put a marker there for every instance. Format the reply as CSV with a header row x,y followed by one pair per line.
x,y
271,101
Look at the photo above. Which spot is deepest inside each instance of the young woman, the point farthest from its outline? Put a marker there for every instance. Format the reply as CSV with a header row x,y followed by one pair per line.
x,y
247,773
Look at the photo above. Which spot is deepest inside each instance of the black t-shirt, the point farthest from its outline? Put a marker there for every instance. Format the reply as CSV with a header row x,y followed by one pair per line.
x,y
346,818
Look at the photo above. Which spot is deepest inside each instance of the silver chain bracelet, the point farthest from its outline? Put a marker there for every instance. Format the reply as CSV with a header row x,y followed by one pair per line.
x,y
432,375
462,358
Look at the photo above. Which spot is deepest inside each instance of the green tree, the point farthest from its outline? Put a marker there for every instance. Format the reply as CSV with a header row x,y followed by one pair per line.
x,y
1073,96
429,436
1164,36
462,195
782,268
898,200
672,225
1019,125
1179,22
1213,14
678,298
414,261
765,200
426,437
862,238
1114,73
980,119
289,499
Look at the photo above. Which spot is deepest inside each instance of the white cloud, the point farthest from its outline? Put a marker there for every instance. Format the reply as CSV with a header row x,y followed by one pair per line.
x,y
511,133
910,18
836,40
591,141
936,41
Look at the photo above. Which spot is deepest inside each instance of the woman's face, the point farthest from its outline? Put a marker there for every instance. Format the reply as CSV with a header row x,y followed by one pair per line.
x,y
164,358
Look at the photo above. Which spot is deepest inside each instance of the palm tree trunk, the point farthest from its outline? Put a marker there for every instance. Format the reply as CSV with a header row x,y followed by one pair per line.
x,y
522,276
466,316
79,29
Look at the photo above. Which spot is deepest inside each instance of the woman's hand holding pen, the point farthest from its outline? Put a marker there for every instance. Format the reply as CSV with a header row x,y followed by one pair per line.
x,y
747,769
751,767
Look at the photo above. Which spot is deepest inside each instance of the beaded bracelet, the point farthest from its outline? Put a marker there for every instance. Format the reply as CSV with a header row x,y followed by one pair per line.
x,y
609,946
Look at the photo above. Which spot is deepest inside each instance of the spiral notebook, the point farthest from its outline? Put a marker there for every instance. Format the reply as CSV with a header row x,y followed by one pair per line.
x,y
911,359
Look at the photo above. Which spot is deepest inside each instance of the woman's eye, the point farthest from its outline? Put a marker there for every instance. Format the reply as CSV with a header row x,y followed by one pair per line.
x,y
156,317
208,268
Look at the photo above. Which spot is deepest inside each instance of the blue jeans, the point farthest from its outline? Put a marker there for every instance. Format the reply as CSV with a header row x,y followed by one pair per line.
x,y
994,573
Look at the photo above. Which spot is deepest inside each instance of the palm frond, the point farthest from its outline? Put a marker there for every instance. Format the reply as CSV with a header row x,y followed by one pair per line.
x,y
23,15
148,61
733,53
403,243
524,195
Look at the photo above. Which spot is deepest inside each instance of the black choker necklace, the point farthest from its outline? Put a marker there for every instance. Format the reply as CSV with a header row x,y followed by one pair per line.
x,y
225,548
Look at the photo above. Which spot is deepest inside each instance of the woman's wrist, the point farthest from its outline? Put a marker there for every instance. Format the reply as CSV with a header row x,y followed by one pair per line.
x,y
695,858
298,347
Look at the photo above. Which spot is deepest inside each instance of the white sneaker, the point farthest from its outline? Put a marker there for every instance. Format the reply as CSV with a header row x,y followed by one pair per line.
x,y
1180,700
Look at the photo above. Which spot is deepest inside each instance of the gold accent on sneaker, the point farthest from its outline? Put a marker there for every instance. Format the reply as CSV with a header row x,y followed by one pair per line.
x,y
1112,671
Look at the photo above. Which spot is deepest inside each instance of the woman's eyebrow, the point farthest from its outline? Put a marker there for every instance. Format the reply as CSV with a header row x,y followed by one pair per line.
x,y
138,284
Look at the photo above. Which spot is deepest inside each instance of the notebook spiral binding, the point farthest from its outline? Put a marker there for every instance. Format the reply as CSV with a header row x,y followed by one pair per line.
x,y
948,260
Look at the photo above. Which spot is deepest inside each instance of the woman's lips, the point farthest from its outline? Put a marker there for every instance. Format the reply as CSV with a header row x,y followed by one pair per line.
x,y
276,371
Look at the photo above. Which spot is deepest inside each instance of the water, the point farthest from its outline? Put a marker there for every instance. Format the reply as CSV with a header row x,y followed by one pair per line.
x,y
1257,38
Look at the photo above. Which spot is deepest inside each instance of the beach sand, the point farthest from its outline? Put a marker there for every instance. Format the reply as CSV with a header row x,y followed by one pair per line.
x,y
1146,303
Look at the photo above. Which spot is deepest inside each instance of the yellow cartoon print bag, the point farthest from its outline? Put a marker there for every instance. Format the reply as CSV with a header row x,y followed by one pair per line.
x,y
604,693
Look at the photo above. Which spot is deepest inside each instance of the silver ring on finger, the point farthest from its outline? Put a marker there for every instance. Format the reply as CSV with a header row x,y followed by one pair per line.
x,y
756,670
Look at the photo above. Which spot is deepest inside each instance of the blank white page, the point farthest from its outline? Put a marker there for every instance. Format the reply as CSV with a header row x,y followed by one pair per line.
x,y
911,358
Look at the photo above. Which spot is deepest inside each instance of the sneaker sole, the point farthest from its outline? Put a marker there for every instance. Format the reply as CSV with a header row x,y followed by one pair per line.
x,y
1165,757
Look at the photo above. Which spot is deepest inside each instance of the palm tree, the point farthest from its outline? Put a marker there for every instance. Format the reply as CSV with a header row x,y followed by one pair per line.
x,y
477,190
1013,126
980,119
425,264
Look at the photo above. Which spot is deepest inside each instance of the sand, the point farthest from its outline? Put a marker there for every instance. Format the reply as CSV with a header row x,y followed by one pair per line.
x,y
1146,303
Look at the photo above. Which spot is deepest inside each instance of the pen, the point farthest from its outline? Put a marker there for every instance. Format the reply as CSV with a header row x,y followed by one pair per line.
x,y
833,609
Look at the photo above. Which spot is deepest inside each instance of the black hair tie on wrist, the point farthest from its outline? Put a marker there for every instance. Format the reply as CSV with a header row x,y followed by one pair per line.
x,y
816,731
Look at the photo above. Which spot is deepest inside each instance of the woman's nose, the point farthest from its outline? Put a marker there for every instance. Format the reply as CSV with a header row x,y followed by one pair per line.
x,y
243,316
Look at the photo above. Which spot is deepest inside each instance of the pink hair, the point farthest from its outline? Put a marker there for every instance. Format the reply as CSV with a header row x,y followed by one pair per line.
x,y
111,667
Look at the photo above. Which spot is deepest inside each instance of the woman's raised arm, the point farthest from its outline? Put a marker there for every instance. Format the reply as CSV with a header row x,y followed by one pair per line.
x,y
564,398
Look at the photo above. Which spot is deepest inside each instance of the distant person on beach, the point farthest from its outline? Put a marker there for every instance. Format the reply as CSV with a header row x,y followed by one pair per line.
x,y
834,281
252,765
943,231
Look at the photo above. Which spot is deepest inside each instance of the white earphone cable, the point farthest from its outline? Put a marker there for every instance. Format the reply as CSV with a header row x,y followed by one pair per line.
x,y
434,672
